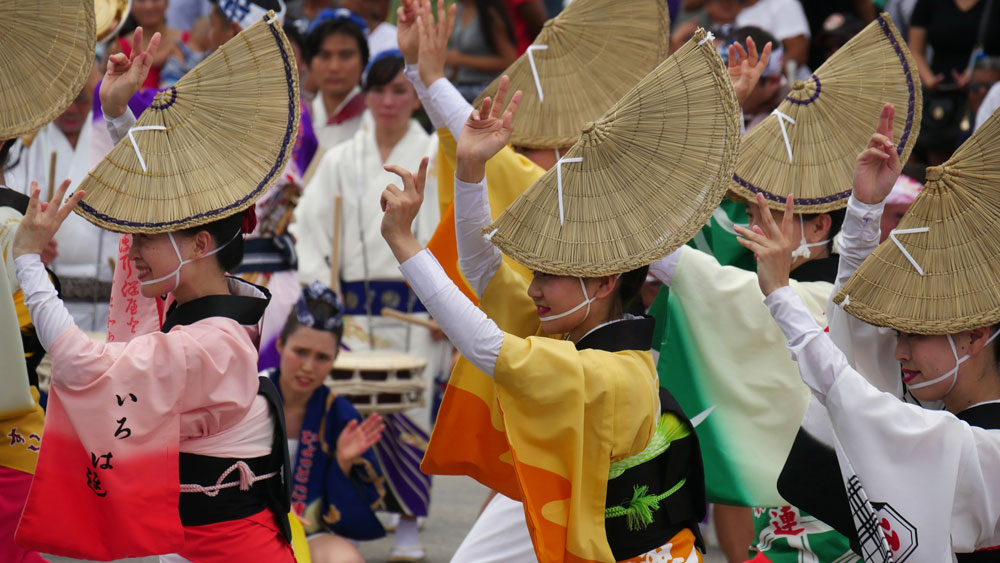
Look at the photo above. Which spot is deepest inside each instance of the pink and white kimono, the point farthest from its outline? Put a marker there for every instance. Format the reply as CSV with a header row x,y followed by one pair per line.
x,y
121,415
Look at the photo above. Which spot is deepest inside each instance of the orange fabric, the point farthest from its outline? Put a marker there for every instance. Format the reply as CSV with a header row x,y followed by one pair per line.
x,y
679,548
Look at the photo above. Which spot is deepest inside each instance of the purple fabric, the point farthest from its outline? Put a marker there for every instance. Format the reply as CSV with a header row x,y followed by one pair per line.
x,y
399,453
138,104
269,358
306,142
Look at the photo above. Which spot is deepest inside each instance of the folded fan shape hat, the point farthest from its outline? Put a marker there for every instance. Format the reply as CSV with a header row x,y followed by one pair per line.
x,y
809,144
640,181
939,272
46,52
208,146
581,63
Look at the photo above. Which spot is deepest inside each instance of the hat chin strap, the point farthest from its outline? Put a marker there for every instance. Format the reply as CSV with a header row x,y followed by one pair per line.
x,y
176,274
803,249
953,372
585,303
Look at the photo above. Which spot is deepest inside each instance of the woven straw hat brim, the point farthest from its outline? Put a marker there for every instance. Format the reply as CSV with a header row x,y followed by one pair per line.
x,y
653,170
586,58
959,253
230,127
834,115
46,53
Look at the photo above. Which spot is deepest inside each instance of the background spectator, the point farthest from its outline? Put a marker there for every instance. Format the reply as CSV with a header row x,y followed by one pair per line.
x,y
482,45
786,21
952,29
381,34
527,17
336,51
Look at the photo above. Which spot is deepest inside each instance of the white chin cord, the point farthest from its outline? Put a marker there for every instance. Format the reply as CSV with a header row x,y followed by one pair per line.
x,y
176,274
953,372
803,249
585,303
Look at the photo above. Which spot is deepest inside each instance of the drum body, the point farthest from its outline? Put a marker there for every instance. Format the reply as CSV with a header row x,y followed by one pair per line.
x,y
379,381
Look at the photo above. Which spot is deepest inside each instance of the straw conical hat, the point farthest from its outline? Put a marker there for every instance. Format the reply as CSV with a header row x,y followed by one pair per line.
x,y
585,59
829,119
46,51
950,232
221,137
652,171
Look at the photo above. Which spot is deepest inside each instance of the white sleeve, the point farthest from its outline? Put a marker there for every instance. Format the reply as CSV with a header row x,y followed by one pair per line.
x,y
478,258
312,225
869,349
663,269
48,313
474,334
444,105
819,359
118,126
858,236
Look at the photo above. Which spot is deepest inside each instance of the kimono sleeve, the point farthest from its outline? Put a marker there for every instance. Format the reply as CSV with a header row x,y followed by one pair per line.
x,y
350,500
313,223
567,415
929,474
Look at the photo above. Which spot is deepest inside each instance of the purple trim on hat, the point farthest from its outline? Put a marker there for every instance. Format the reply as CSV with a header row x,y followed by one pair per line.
x,y
811,99
173,98
227,210
911,102
798,201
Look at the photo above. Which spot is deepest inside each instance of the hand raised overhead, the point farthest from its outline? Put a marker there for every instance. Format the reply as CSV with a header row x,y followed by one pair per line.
x,y
745,67
772,245
125,75
434,37
487,130
42,220
401,207
878,166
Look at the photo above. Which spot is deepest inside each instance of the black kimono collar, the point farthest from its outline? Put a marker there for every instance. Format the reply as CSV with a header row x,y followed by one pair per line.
x,y
985,415
630,333
14,200
821,269
245,306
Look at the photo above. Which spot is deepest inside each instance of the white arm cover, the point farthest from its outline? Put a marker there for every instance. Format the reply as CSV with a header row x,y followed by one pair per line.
x,y
444,105
48,313
118,126
473,333
663,269
478,259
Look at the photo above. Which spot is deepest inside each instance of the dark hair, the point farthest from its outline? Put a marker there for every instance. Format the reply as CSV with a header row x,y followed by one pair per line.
x,y
5,152
320,309
836,221
314,40
292,33
383,71
759,36
487,9
629,285
227,231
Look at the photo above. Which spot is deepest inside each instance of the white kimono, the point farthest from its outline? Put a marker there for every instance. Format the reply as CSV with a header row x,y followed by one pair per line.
x,y
929,476
330,136
354,169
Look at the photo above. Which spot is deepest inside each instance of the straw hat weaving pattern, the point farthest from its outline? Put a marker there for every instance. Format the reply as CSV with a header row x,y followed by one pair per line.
x,y
207,147
939,272
46,51
581,63
809,144
640,181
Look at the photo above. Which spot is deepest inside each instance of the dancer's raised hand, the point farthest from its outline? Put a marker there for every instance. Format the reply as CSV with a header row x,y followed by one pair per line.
x,y
42,220
486,131
772,245
878,166
125,75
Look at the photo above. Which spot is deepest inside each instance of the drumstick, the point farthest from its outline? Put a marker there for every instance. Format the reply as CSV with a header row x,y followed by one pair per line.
x,y
338,206
413,319
52,176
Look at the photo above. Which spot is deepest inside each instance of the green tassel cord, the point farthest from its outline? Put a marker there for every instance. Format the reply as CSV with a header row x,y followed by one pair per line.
x,y
639,511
